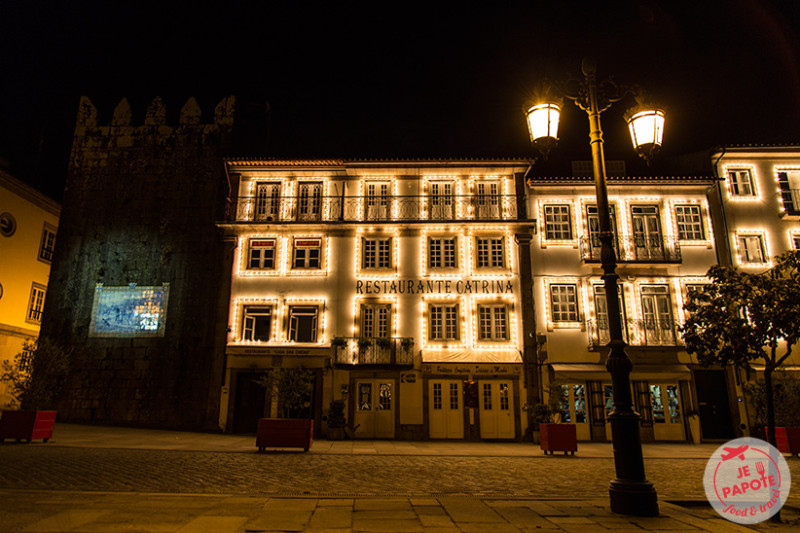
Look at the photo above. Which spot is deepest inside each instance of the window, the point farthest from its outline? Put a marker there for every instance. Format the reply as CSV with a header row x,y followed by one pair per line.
x,y
377,253
489,252
796,242
741,182
48,243
751,249
309,201
492,322
257,323
690,222
376,321
442,252
35,304
268,197
659,327
377,200
303,323
487,199
262,254
564,303
307,253
442,201
443,322
557,222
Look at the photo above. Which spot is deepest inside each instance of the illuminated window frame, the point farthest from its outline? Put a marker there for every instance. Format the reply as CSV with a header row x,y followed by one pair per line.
x,y
741,251
324,248
777,170
282,214
442,272
556,226
502,193
358,303
242,258
685,285
250,314
390,272
319,303
794,240
490,232
236,335
753,181
295,187
458,301
391,204
478,301
579,301
544,241
692,224
456,194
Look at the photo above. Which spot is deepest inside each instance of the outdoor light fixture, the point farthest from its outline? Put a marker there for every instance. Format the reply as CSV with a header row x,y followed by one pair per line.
x,y
630,493
647,130
543,125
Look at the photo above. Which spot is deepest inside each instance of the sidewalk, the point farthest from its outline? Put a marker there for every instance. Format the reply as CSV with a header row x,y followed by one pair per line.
x,y
84,436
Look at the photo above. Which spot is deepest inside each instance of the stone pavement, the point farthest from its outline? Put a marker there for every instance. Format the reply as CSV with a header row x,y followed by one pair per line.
x,y
93,479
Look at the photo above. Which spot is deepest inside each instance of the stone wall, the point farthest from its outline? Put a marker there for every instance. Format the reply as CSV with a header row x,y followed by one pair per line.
x,y
139,207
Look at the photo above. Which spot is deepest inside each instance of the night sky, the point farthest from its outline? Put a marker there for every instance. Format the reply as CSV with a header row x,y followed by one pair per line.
x,y
398,80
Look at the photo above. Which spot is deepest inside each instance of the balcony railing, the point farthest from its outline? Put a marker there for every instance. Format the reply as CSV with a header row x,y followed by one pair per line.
x,y
373,351
634,250
637,333
372,209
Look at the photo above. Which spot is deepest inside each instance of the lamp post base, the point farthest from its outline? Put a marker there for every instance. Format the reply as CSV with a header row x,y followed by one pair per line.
x,y
633,498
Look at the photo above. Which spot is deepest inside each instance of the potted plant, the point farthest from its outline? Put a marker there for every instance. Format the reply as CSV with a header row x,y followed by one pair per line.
x,y
554,437
36,376
338,342
363,344
293,387
786,391
383,343
336,420
407,344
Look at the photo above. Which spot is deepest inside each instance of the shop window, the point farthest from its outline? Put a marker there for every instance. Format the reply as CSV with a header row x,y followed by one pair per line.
x,y
303,323
377,253
492,322
257,323
262,254
35,304
489,252
740,182
557,222
690,222
443,322
442,252
564,303
48,243
307,253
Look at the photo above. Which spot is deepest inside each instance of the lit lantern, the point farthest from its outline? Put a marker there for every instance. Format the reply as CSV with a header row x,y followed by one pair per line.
x,y
647,130
543,125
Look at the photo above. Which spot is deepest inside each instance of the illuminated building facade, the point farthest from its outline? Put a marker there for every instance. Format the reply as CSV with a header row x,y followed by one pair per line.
x,y
28,222
664,241
756,205
399,284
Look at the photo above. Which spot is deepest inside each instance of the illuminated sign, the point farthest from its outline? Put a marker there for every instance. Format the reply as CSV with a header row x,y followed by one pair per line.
x,y
435,286
129,311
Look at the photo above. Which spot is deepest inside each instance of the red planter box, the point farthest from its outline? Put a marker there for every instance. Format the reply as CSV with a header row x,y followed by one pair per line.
x,y
788,440
558,438
284,433
27,425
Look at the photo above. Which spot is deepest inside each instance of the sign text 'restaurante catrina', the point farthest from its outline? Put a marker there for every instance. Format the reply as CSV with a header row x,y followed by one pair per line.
x,y
431,286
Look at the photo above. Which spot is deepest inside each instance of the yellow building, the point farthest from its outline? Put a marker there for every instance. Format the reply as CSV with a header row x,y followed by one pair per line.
x,y
28,222
398,283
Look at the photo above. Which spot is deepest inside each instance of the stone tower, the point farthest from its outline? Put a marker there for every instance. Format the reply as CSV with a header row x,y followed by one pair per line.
x,y
140,205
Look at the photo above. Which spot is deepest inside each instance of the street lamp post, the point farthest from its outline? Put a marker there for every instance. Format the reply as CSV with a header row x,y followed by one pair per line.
x,y
630,493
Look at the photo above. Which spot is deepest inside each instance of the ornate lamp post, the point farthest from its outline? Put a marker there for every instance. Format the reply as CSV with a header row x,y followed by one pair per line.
x,y
630,492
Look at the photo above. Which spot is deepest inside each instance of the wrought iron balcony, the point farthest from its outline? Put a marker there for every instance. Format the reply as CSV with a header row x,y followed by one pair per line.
x,y
634,250
373,351
372,209
637,332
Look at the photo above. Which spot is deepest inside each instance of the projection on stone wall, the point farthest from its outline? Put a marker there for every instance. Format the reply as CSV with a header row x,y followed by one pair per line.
x,y
129,311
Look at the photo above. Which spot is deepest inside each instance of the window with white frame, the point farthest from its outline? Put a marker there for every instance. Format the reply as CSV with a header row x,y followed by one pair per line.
x,y
261,254
493,322
376,321
257,323
690,222
376,252
442,199
564,302
489,252
303,323
796,242
442,252
48,243
307,253
487,199
557,222
740,182
35,304
443,322
377,200
751,248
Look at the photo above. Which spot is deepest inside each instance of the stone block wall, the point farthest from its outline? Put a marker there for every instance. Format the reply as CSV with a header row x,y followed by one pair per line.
x,y
140,206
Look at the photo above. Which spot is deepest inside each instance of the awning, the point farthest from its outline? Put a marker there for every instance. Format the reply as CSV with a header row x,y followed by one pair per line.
x,y
598,372
471,356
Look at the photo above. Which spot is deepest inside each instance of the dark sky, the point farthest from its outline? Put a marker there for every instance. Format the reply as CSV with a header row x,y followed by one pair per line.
x,y
381,79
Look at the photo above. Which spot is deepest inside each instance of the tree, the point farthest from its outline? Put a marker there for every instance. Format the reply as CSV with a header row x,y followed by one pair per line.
x,y
293,386
36,375
740,317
